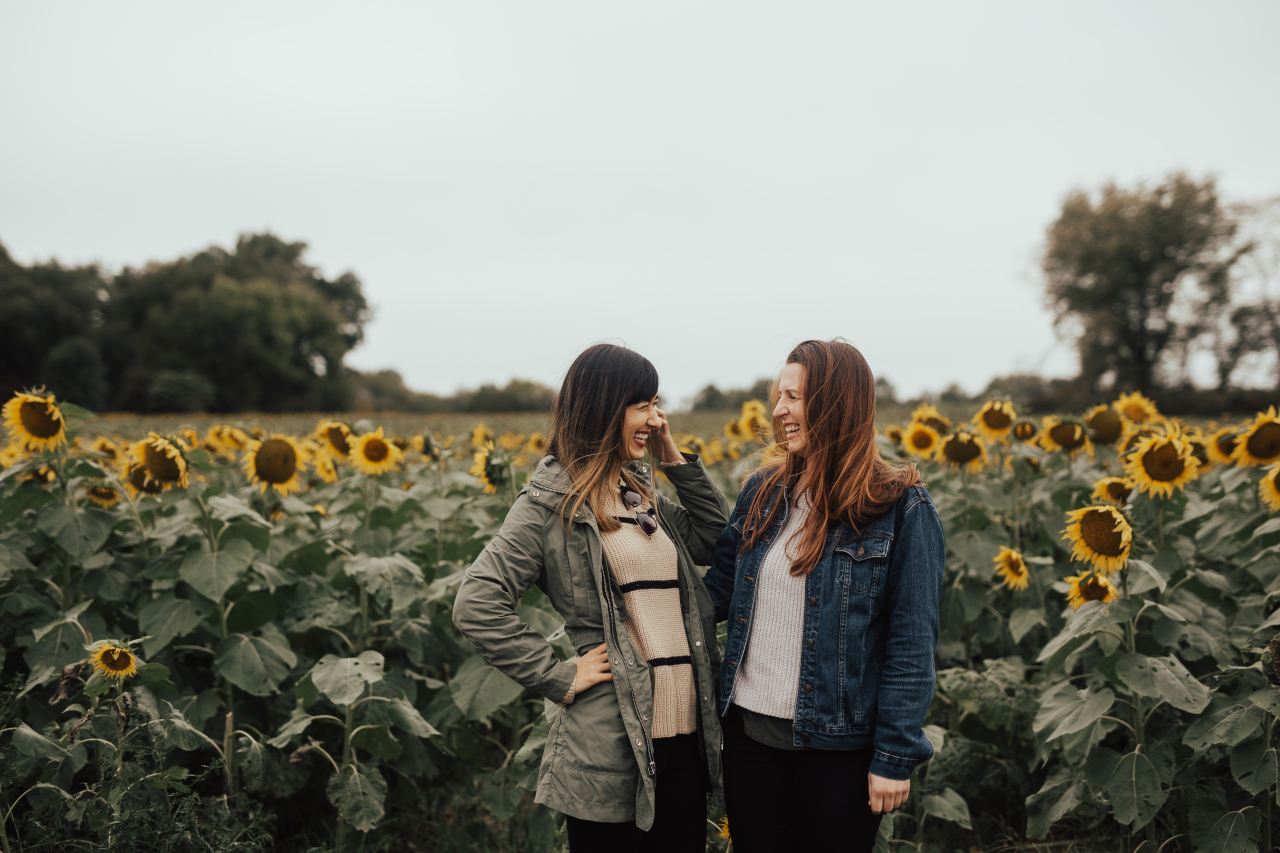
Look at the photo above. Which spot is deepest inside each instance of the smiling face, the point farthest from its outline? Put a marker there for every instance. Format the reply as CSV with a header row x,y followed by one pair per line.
x,y
638,422
788,412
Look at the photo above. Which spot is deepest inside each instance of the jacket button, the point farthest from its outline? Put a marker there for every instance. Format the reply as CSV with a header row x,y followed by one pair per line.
x,y
535,492
809,643
618,662
630,662
751,578
644,717
639,742
808,688
697,642
859,551
812,600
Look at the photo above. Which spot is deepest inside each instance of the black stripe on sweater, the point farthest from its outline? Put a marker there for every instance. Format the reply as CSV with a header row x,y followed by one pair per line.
x,y
634,585
670,661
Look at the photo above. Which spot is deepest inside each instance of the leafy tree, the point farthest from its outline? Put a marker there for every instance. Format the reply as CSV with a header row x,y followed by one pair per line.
x,y
1119,266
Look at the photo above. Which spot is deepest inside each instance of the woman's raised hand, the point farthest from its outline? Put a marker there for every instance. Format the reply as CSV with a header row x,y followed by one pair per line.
x,y
661,444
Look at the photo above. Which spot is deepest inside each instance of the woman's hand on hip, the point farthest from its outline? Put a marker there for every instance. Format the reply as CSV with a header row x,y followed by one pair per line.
x,y
593,668
886,794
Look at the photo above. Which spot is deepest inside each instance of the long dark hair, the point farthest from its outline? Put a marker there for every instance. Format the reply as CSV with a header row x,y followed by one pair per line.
x,y
586,423
841,470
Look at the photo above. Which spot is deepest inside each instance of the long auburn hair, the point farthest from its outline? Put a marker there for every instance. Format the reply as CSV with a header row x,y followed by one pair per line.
x,y
586,425
840,469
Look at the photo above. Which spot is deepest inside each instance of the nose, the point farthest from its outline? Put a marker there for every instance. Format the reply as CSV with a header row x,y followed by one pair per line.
x,y
653,421
780,409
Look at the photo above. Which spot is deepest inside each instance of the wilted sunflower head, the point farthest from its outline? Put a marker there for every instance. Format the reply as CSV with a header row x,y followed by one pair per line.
x,y
1113,490
371,453
162,461
1025,429
1259,443
34,421
1136,408
103,494
1099,535
276,463
964,450
114,660
1269,488
995,419
1221,444
335,436
921,440
1012,568
137,482
1064,435
431,449
1159,465
1104,423
1089,586
489,468
928,414
480,436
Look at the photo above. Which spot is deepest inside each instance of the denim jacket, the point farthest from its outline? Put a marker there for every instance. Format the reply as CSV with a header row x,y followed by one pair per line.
x,y
870,628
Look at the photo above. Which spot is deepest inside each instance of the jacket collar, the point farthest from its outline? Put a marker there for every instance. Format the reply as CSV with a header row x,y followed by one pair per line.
x,y
550,482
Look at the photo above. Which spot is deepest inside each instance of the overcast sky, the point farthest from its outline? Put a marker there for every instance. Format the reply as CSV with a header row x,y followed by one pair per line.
x,y
708,183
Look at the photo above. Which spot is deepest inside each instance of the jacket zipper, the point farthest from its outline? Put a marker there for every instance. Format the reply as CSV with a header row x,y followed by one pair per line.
x,y
617,644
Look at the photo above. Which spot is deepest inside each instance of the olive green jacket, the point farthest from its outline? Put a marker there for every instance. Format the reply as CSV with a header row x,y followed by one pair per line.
x,y
598,760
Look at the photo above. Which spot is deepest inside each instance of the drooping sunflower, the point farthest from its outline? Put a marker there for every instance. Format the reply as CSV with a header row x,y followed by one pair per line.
x,y
480,436
893,432
103,494
276,462
114,660
755,421
1089,586
1160,465
921,440
430,448
336,437
1199,448
321,462
1221,444
136,481
1105,424
162,460
964,450
1025,429
1012,568
995,419
1100,535
928,414
1113,490
34,421
107,450
489,468
1259,442
1058,435
1136,408
1269,488
371,453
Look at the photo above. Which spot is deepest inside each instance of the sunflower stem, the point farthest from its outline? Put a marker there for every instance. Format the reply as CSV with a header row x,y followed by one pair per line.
x,y
1270,792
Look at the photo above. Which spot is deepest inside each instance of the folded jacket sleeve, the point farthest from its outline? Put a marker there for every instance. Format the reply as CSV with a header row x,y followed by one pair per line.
x,y
700,514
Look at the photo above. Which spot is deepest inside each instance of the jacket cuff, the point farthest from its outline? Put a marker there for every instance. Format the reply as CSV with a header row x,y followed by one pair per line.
x,y
891,766
556,686
682,474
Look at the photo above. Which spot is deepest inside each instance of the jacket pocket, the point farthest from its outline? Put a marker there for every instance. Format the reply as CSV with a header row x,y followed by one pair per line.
x,y
591,754
863,562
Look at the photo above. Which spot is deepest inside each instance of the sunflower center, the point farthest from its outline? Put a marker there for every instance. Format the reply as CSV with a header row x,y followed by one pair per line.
x,y
1136,412
139,480
1106,425
939,424
275,462
1093,589
1014,566
1265,441
1024,430
117,660
375,450
37,420
1069,436
921,439
105,493
961,450
997,418
1119,492
1227,443
338,439
161,466
1097,528
1163,463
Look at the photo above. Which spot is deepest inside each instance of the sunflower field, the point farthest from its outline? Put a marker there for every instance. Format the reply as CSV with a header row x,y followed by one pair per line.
x,y
241,638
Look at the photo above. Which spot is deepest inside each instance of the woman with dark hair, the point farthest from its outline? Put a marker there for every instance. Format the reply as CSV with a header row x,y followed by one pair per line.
x,y
829,573
634,743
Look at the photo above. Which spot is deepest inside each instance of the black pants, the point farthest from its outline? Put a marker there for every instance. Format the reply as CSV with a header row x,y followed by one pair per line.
x,y
779,799
680,814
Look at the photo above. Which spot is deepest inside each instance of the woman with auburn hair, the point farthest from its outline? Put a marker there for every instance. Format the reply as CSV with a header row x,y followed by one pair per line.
x,y
633,747
829,573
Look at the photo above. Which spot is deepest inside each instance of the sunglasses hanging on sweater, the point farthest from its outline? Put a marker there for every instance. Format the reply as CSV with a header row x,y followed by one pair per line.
x,y
631,499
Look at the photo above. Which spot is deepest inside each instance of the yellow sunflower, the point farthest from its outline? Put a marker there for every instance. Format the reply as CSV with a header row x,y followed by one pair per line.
x,y
35,422
1259,442
1025,429
995,419
1089,586
1221,444
1012,568
103,495
480,436
162,461
921,440
511,441
9,455
724,828
692,444
431,450
1269,488
275,463
114,660
755,421
1064,436
1160,465
321,462
489,469
537,444
336,437
371,453
1113,490
136,481
964,450
1100,535
893,432
107,450
1136,408
736,431
928,414
1105,424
